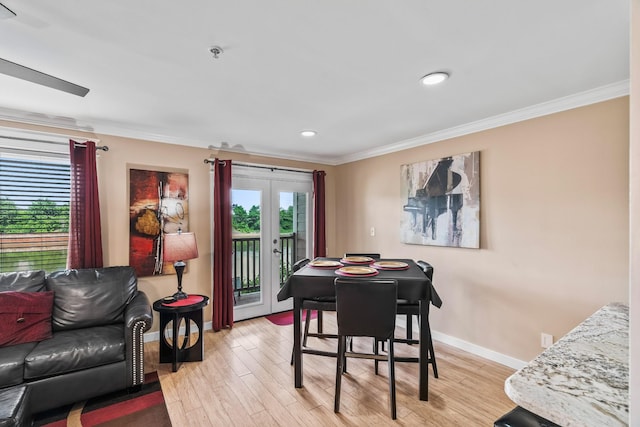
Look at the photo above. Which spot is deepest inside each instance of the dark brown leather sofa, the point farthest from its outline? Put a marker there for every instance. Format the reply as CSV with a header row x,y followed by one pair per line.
x,y
98,320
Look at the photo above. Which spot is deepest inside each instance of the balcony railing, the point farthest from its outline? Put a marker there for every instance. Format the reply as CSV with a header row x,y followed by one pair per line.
x,y
246,262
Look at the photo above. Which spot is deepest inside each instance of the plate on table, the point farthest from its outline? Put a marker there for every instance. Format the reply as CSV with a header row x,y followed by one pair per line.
x,y
357,260
390,265
359,271
325,263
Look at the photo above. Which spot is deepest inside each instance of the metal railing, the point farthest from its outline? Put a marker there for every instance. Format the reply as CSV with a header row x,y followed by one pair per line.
x,y
246,262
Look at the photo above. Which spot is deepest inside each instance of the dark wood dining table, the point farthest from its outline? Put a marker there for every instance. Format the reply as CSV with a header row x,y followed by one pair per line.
x,y
311,282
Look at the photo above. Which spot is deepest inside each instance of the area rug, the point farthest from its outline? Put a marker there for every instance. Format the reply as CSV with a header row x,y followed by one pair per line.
x,y
286,317
144,408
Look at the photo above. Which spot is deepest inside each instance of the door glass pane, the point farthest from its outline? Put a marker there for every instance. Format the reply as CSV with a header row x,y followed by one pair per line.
x,y
293,231
246,220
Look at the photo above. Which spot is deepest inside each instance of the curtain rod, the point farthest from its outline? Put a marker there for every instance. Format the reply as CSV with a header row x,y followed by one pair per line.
x,y
271,168
98,147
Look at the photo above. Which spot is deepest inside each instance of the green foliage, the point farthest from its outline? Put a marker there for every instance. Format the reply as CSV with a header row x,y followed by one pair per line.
x,y
286,220
239,219
42,216
249,222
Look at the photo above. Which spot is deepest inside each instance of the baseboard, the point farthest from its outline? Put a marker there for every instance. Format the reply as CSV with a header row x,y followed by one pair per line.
x,y
486,353
438,336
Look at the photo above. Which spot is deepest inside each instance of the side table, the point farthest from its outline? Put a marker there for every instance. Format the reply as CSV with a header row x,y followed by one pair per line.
x,y
182,311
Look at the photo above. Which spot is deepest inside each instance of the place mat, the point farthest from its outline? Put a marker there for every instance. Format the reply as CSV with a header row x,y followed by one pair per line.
x,y
325,264
390,265
360,271
191,299
357,260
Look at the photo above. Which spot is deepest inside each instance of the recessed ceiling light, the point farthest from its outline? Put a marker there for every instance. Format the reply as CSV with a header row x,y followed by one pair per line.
x,y
308,133
434,78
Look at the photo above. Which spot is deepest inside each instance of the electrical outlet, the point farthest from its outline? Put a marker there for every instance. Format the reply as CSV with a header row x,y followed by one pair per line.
x,y
372,231
546,340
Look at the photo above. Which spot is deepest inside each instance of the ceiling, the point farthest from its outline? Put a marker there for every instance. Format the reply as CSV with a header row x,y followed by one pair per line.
x,y
348,69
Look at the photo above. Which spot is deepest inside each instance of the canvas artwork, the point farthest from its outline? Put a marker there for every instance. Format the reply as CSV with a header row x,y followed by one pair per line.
x,y
441,202
158,204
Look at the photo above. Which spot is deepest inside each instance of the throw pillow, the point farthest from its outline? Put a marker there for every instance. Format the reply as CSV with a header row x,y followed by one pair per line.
x,y
25,317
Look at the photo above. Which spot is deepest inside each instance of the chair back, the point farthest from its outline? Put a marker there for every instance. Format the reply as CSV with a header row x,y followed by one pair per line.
x,y
366,307
370,255
299,264
428,271
426,268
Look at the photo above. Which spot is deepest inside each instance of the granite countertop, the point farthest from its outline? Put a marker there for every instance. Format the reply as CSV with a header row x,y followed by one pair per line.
x,y
583,379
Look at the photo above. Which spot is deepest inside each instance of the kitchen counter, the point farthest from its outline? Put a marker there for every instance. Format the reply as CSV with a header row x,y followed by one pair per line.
x,y
583,379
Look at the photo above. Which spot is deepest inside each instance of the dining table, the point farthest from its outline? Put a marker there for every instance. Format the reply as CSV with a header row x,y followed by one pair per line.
x,y
312,282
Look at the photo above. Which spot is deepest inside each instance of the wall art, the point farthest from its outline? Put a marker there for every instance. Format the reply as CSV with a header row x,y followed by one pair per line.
x,y
158,204
441,202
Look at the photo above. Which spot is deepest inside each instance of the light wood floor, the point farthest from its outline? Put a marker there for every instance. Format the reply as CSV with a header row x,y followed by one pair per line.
x,y
246,380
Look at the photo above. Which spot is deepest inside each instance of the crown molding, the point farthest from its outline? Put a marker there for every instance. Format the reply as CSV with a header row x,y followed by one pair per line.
x,y
600,94
603,93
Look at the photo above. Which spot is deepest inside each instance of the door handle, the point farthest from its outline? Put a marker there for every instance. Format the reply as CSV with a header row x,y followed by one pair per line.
x,y
277,251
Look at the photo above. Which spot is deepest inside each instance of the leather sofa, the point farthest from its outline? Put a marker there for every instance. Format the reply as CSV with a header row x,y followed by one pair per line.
x,y
96,347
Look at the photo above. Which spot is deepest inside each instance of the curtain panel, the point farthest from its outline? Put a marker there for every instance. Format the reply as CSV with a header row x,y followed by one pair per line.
x,y
85,233
222,245
319,232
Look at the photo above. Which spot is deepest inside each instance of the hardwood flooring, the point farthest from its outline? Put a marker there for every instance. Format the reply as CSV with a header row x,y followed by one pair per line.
x,y
245,379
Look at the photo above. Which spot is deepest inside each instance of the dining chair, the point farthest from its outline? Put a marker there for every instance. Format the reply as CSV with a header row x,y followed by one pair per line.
x,y
412,308
366,308
319,304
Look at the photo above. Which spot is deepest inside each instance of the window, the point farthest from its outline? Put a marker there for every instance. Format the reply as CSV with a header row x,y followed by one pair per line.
x,y
34,211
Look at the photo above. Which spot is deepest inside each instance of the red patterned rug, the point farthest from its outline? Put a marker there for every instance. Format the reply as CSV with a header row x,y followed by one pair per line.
x,y
286,317
144,408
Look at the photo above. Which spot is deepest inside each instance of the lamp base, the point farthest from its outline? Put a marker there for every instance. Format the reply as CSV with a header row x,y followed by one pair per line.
x,y
180,295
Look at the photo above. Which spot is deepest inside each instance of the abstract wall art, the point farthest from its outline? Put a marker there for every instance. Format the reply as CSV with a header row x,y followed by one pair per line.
x,y
158,204
441,201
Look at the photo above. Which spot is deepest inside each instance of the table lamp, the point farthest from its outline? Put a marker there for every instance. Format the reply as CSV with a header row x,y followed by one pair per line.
x,y
179,247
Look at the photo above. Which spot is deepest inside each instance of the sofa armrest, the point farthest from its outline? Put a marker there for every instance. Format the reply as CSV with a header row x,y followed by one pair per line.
x,y
138,318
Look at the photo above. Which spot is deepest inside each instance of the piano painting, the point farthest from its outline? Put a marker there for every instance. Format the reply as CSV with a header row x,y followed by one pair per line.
x,y
442,202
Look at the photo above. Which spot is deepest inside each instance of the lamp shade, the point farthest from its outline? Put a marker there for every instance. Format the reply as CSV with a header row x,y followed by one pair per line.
x,y
180,247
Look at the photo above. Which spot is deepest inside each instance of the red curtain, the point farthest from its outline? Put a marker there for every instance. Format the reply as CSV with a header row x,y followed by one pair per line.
x,y
222,246
319,233
85,235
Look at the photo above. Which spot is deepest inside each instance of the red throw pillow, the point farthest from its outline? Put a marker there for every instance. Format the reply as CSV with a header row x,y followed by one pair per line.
x,y
25,317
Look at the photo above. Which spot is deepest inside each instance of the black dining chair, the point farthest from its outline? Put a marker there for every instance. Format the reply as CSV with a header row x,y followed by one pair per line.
x,y
319,304
366,308
412,308
297,266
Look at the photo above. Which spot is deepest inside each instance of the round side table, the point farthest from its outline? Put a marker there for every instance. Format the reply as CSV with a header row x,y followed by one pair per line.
x,y
182,314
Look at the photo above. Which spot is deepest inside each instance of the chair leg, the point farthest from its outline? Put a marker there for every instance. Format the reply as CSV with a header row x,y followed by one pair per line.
x,y
339,369
392,380
319,321
306,331
306,327
432,358
409,327
375,351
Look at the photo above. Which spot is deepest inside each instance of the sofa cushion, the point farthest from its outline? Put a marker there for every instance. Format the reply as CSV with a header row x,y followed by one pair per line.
x,y
74,350
12,363
25,317
25,281
91,297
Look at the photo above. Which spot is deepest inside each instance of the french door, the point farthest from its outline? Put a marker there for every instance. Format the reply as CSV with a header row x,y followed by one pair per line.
x,y
271,213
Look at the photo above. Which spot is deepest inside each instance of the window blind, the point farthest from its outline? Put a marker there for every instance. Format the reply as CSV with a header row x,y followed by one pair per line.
x,y
34,212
